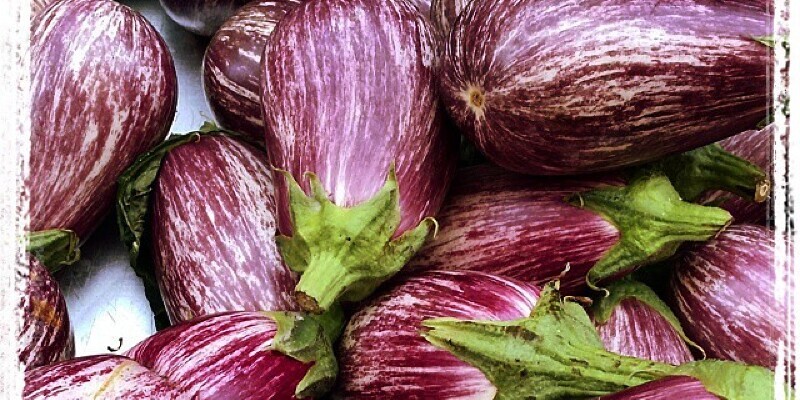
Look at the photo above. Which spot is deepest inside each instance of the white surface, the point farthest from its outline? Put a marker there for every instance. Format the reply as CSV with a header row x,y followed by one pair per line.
x,y
105,299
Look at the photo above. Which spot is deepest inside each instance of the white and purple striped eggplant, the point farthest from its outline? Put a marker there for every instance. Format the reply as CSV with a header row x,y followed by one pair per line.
x,y
104,90
210,226
374,109
520,226
202,17
102,377
555,87
231,65
724,294
383,356
634,321
46,334
670,388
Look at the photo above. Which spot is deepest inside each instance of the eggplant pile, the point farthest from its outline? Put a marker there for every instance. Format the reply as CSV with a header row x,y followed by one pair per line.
x,y
325,237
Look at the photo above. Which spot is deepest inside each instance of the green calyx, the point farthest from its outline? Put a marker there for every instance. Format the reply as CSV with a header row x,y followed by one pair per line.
x,y
630,289
346,253
652,221
55,248
712,168
309,338
555,353
135,187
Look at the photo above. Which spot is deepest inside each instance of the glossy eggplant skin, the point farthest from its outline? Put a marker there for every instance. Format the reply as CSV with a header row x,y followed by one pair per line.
x,y
565,87
46,334
213,230
724,294
202,17
104,90
673,387
383,356
375,106
231,65
518,226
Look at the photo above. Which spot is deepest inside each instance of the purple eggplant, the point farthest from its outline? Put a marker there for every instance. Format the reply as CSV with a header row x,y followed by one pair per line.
x,y
367,134
211,226
104,90
46,334
97,377
383,356
725,295
553,87
673,387
231,65
520,226
202,17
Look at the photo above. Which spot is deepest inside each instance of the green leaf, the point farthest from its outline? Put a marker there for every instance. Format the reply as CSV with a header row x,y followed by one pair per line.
x,y
55,248
345,253
652,220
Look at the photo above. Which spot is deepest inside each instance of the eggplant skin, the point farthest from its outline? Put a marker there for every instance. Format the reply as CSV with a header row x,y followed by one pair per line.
x,y
634,329
374,106
669,388
38,5
560,87
213,231
231,65
104,90
445,12
201,17
383,356
724,294
518,226
97,377
46,334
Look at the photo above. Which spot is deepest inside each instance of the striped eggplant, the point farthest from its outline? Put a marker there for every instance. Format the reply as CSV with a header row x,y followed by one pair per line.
x,y
635,322
211,227
106,377
724,294
382,355
555,353
201,17
444,13
520,226
367,134
46,334
560,87
673,387
104,90
38,5
231,65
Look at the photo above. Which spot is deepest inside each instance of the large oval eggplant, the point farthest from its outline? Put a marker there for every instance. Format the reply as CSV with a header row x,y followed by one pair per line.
x,y
46,334
383,356
673,387
202,17
231,65
104,90
213,231
105,377
724,294
375,112
519,226
554,87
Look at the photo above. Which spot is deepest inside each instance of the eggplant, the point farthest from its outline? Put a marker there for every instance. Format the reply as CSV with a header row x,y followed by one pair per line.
x,y
673,387
520,226
46,335
202,17
211,226
634,321
38,5
724,293
231,65
104,90
444,13
97,377
555,88
382,355
367,135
